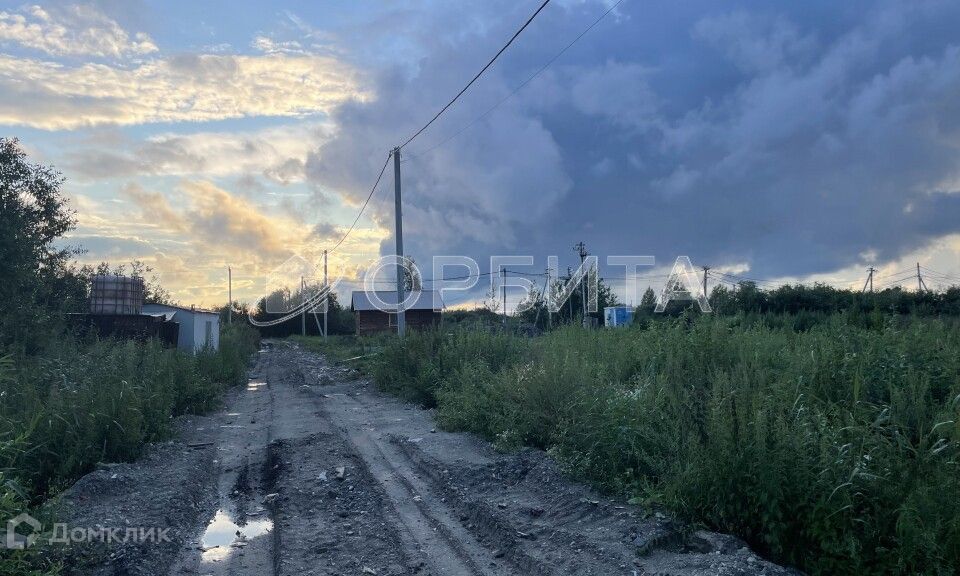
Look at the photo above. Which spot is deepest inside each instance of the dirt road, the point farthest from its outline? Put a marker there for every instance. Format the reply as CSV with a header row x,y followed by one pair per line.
x,y
309,471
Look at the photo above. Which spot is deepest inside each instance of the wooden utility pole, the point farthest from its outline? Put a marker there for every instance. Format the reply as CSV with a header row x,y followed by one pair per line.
x,y
705,270
303,312
326,296
547,296
503,290
230,295
869,281
921,285
398,231
582,251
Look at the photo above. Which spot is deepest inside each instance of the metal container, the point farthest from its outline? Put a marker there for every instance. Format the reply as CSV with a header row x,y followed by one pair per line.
x,y
617,316
111,294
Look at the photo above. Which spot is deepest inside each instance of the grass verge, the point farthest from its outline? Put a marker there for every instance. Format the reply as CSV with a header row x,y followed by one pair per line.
x,y
80,403
833,449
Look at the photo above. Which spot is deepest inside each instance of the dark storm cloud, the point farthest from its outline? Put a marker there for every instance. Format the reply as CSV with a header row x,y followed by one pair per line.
x,y
793,138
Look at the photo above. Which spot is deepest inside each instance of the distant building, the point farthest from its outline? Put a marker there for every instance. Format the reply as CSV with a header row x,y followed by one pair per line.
x,y
115,311
198,328
370,319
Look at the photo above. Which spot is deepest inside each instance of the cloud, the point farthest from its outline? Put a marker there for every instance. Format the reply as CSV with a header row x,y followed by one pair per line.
x,y
270,46
755,42
277,154
788,140
211,218
75,30
155,208
185,88
781,141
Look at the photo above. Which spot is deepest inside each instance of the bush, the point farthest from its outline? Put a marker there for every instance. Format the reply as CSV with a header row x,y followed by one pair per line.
x,y
827,442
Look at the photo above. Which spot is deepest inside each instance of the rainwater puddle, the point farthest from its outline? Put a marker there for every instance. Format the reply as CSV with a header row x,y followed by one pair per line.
x,y
223,535
253,386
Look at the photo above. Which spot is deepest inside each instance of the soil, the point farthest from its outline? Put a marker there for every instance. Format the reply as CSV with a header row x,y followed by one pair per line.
x,y
308,470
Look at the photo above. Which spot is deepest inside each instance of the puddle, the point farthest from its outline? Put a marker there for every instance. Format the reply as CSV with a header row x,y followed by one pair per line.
x,y
253,386
223,535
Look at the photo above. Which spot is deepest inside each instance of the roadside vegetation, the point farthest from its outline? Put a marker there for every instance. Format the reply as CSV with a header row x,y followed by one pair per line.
x,y
68,402
830,443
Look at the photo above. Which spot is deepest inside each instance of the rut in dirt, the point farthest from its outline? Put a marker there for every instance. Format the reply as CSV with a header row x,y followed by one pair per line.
x,y
310,471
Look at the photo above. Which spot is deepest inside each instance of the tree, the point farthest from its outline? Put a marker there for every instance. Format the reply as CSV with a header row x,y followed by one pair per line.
x,y
39,281
491,300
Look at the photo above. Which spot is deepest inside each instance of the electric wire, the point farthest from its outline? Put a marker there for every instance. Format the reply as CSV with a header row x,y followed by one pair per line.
x,y
519,86
362,208
477,76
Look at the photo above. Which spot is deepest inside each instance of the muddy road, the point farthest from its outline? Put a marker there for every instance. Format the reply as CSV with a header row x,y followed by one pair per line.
x,y
308,470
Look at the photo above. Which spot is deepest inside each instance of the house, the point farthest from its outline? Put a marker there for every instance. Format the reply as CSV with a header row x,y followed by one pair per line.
x,y
198,328
371,316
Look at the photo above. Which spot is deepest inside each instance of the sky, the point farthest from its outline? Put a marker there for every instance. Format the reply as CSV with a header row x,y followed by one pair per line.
x,y
778,141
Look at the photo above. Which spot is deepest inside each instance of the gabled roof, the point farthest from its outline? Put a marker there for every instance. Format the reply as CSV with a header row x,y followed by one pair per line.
x,y
168,307
427,300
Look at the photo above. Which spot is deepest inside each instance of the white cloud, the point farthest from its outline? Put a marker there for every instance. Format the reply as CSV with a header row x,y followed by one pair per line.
x,y
71,31
277,153
196,88
271,46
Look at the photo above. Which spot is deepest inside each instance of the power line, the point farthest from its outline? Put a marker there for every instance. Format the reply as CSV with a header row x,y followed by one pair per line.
x,y
909,271
944,275
521,85
364,207
738,278
480,73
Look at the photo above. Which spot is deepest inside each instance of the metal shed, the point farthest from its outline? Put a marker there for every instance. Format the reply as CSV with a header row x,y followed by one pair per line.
x,y
424,312
199,328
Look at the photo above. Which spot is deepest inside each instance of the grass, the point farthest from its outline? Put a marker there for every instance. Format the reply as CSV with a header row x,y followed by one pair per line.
x,y
80,403
834,449
355,351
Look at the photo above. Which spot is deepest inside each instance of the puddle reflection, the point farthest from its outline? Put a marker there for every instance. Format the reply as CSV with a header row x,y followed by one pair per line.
x,y
253,386
223,535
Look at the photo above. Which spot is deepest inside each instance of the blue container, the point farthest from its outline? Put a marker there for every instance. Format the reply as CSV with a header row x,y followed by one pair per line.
x,y
617,316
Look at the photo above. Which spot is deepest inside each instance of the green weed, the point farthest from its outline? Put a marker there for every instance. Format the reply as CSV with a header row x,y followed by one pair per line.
x,y
832,445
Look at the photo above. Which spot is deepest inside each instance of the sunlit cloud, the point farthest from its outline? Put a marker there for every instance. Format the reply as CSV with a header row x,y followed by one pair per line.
x,y
185,88
276,153
71,31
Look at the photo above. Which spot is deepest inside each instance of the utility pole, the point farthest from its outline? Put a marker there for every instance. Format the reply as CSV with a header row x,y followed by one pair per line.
x,y
303,312
570,300
398,230
326,296
548,291
582,251
705,270
503,289
869,281
230,295
921,285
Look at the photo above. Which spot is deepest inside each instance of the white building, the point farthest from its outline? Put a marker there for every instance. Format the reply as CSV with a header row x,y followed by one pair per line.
x,y
198,328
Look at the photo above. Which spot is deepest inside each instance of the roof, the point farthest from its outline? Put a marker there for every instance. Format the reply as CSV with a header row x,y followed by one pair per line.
x,y
166,307
427,300
166,314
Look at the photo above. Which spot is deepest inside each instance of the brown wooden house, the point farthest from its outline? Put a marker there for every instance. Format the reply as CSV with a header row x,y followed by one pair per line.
x,y
376,312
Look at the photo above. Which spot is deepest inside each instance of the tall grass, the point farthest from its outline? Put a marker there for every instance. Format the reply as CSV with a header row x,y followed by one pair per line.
x,y
80,403
834,449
